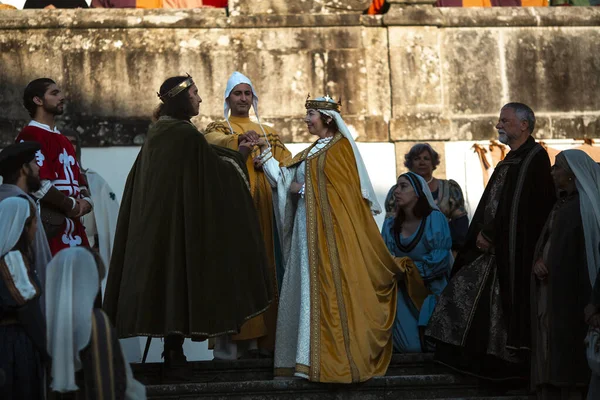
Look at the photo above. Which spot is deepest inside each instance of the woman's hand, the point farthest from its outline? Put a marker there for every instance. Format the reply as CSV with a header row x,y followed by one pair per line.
x,y
258,165
296,187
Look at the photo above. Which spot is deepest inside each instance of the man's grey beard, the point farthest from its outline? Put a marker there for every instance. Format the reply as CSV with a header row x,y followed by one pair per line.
x,y
503,138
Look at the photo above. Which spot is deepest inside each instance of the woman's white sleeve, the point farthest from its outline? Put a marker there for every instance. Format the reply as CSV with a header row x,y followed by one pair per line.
x,y
272,171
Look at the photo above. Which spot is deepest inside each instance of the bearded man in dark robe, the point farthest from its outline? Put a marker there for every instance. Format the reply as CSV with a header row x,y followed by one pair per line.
x,y
481,324
173,273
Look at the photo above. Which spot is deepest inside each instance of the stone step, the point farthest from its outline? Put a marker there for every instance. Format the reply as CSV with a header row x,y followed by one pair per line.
x,y
434,386
261,369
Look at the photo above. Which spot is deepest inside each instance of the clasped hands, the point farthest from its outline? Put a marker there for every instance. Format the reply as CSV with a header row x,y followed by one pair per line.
x,y
82,207
246,143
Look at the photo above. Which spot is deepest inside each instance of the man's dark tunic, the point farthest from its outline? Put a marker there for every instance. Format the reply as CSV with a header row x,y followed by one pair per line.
x,y
482,321
188,254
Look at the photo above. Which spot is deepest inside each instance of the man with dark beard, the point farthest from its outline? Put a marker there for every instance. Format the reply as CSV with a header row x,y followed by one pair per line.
x,y
173,272
20,177
481,323
63,194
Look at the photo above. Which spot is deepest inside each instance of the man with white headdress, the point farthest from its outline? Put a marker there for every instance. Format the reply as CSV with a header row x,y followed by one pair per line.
x,y
258,334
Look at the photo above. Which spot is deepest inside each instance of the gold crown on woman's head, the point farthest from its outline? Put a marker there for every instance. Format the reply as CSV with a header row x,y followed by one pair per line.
x,y
327,103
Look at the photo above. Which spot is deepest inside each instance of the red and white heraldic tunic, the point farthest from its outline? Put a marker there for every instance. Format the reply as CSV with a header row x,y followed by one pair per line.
x,y
58,164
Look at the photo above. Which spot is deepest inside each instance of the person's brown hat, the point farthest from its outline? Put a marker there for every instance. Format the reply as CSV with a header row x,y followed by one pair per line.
x,y
14,156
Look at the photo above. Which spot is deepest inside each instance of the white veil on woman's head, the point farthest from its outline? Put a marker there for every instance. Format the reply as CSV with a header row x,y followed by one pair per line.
x,y
72,284
587,180
366,187
14,212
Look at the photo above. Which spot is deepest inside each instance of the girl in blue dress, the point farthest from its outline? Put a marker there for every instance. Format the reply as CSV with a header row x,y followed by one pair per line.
x,y
420,231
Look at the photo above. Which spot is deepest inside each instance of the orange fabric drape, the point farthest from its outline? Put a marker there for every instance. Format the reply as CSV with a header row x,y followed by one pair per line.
x,y
375,7
477,3
498,152
149,4
484,161
534,3
590,150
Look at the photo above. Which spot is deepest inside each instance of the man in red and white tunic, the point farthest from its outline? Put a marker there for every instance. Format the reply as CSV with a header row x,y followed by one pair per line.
x,y
63,196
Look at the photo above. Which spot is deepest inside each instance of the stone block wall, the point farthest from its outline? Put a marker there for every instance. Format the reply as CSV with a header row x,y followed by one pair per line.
x,y
415,74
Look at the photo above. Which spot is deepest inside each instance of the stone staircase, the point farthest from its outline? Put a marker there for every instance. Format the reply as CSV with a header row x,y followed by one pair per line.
x,y
411,376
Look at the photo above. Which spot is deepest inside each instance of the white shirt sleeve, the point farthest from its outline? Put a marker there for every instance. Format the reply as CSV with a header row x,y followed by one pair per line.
x,y
272,171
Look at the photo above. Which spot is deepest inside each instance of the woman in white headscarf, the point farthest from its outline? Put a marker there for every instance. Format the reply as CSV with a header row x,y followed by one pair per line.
x,y
22,340
566,265
81,337
338,296
418,230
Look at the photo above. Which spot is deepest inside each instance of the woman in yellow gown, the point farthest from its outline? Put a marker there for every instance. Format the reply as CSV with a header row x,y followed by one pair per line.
x,y
338,296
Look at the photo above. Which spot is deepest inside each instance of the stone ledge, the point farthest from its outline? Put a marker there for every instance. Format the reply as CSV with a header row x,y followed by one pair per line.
x,y
492,16
299,387
173,19
262,369
419,15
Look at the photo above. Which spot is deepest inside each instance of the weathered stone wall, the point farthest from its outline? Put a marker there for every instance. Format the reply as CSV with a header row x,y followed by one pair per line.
x,y
415,74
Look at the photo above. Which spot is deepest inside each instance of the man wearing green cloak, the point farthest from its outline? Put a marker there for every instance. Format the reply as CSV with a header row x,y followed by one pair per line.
x,y
173,272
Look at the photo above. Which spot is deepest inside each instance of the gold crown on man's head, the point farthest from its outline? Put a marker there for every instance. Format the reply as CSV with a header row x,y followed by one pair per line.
x,y
177,89
327,104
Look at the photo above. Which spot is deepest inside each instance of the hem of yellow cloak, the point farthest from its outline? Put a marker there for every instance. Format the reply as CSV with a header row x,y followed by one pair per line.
x,y
252,329
315,318
312,239
335,263
290,372
415,287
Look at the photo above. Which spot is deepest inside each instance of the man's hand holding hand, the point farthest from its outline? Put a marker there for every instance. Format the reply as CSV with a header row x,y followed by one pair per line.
x,y
249,136
74,213
84,206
